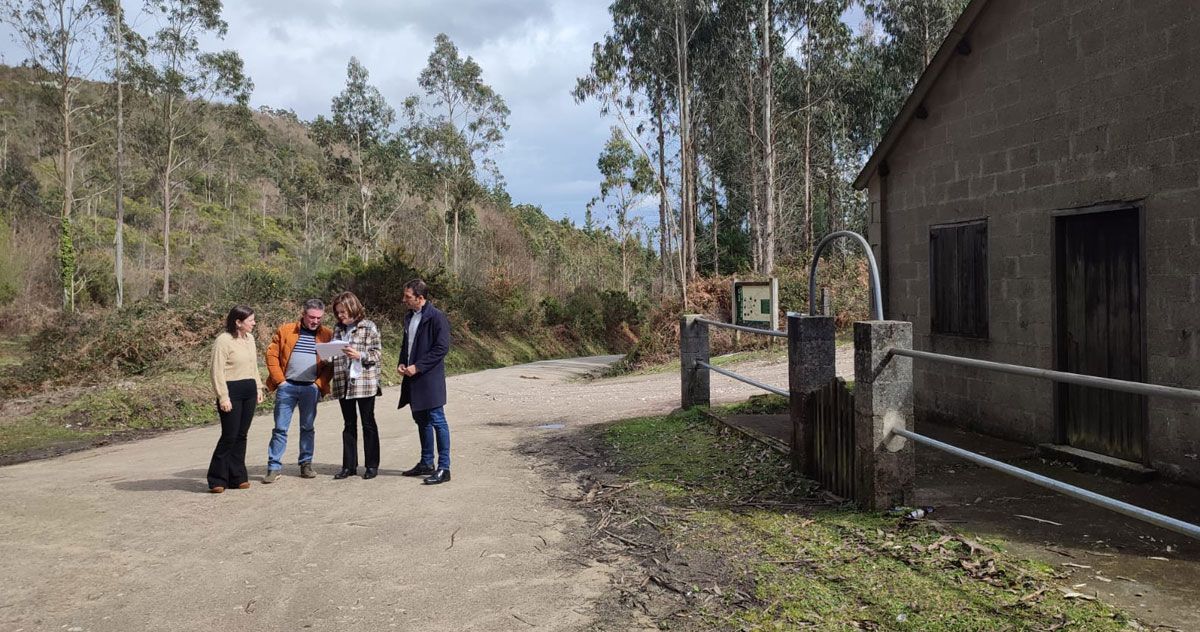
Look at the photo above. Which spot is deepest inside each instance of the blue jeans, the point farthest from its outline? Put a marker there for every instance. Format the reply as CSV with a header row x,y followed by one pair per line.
x,y
431,426
287,398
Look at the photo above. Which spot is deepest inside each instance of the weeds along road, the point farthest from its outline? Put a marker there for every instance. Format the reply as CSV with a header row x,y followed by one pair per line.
x,y
126,537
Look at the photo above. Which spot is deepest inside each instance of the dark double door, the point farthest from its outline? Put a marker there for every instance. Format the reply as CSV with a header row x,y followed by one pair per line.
x,y
1100,330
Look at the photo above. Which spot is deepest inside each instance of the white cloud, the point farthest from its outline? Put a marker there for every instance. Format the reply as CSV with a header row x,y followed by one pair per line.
x,y
531,52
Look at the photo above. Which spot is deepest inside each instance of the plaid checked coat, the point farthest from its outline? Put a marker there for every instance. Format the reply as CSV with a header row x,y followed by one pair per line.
x,y
364,337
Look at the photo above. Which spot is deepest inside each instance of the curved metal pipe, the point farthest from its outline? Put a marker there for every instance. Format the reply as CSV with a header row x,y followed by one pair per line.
x,y
877,293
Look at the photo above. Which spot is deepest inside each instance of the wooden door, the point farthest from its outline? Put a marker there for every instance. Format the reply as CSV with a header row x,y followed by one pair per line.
x,y
1099,308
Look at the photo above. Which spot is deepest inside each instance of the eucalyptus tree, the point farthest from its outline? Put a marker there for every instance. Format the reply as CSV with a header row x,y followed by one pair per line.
x,y
455,128
766,28
126,44
816,84
651,52
362,120
628,177
184,81
64,40
628,78
727,114
912,31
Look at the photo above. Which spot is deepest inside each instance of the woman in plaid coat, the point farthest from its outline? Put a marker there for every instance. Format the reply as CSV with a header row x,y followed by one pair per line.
x,y
356,384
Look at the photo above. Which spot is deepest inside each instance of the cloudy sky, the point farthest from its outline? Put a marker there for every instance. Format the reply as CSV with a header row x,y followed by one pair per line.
x,y
531,52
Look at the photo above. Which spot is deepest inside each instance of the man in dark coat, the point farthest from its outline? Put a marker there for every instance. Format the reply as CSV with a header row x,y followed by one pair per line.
x,y
423,367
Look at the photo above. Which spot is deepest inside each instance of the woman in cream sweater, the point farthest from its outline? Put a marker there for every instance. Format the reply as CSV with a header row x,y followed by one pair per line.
x,y
238,389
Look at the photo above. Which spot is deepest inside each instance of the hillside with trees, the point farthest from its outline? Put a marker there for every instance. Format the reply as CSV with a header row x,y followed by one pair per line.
x,y
141,195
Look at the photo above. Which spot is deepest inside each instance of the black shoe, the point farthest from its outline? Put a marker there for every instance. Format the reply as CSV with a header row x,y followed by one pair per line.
x,y
345,472
440,476
370,473
420,469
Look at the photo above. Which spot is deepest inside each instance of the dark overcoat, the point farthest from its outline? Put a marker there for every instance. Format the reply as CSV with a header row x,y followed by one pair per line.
x,y
426,389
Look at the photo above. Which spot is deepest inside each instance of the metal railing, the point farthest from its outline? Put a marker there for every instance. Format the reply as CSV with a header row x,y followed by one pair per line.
x,y
753,330
742,378
872,268
1137,388
1140,388
1166,522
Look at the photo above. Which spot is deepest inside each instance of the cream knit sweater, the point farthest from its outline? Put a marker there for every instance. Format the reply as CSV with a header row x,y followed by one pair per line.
x,y
233,359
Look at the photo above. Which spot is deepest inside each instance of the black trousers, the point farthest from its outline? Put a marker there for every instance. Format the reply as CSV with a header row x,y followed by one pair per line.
x,y
366,409
228,465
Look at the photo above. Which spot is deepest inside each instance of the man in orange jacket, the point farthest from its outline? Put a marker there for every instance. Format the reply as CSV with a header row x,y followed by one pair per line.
x,y
299,378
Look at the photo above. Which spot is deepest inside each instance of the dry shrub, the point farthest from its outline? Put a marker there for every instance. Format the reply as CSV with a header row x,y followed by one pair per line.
x,y
659,340
845,277
146,337
131,341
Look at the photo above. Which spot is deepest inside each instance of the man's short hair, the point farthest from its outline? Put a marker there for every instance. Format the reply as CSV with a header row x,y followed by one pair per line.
x,y
418,287
313,303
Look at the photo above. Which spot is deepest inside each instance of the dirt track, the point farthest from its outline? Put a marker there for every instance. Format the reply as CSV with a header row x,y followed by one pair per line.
x,y
126,537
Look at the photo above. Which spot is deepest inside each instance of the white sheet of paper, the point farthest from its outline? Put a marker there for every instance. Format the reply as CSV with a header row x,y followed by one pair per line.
x,y
332,349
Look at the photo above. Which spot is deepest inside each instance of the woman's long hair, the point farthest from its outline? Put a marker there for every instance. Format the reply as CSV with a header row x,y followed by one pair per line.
x,y
239,312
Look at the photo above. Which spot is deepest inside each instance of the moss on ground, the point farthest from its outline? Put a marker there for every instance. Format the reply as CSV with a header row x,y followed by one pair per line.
x,y
807,564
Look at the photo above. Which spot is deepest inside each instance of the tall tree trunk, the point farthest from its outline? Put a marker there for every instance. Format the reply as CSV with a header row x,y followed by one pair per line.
x,y
755,224
687,204
364,199
768,255
712,176
119,238
926,44
307,246
808,116
623,229
831,186
694,191
454,263
166,199
663,206
66,245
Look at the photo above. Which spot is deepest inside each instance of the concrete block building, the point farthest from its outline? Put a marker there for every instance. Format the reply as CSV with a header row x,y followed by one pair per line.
x,y
1037,202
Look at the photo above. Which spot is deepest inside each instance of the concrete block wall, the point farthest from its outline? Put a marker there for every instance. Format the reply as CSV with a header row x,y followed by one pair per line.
x,y
1059,105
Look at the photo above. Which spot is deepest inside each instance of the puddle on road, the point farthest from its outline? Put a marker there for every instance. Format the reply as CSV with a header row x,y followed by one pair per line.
x,y
551,427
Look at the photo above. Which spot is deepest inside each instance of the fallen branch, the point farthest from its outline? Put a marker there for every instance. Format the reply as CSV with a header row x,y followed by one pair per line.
x,y
1042,520
1031,596
1071,594
626,540
666,584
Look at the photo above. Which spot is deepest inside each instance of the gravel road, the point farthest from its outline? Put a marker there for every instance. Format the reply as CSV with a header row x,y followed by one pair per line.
x,y
126,538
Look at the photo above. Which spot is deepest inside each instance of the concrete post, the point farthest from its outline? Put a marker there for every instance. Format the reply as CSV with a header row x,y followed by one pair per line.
x,y
883,400
693,347
811,365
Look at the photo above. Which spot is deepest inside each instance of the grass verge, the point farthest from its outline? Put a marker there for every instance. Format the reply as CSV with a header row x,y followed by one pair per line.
x,y
792,560
78,418
621,369
72,418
